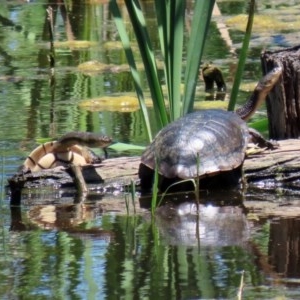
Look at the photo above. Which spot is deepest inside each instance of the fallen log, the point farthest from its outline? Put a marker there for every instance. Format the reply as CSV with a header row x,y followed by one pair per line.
x,y
279,168
269,169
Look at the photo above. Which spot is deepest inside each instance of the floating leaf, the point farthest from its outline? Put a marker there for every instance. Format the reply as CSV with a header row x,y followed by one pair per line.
x,y
43,140
117,45
262,23
124,103
216,104
75,44
248,86
261,125
125,147
94,66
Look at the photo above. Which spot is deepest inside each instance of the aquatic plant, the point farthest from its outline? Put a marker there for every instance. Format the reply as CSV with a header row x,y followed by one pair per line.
x,y
171,31
242,57
131,193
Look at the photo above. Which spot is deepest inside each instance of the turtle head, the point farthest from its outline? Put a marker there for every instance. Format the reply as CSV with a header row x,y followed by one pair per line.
x,y
259,94
268,81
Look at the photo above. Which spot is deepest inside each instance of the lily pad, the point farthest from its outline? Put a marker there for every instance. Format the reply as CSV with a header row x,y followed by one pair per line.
x,y
125,147
94,66
211,104
124,103
117,45
262,23
262,125
75,44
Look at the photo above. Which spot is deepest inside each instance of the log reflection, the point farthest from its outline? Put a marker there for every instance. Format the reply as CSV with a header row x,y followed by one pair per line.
x,y
284,245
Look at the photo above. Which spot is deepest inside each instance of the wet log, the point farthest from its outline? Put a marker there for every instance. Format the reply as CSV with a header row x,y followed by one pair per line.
x,y
112,175
279,168
269,169
283,103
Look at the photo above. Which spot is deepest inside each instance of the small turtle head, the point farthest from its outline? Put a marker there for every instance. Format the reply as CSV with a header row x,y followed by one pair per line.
x,y
101,141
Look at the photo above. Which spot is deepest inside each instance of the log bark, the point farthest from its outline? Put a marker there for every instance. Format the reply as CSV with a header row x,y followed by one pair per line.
x,y
279,168
283,103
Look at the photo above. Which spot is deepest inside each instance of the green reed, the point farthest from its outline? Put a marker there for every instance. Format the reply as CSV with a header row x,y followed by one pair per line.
x,y
242,57
171,30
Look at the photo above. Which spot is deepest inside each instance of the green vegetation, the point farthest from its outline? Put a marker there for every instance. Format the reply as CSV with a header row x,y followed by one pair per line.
x,y
131,194
154,200
171,29
178,68
242,57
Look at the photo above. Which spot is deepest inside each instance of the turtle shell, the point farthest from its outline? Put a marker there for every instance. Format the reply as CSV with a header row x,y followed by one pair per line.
x,y
46,157
201,143
52,160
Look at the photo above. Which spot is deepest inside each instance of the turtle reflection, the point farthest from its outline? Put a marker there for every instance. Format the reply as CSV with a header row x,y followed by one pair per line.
x,y
209,225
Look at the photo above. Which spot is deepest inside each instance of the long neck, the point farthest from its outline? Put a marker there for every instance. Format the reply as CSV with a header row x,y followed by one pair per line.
x,y
88,139
259,94
249,108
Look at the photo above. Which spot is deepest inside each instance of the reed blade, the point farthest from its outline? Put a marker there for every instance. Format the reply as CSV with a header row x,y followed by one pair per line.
x,y
242,58
200,23
170,20
147,54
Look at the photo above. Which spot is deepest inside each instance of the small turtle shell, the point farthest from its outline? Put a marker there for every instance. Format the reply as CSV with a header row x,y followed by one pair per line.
x,y
201,143
52,160
46,157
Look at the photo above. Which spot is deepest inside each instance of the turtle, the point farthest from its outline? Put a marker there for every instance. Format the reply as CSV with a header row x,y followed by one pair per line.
x,y
212,74
69,149
207,144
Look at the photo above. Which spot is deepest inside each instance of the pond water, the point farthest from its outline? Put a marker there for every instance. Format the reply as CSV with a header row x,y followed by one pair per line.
x,y
54,248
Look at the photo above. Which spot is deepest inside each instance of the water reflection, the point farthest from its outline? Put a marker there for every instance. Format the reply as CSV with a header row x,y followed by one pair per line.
x,y
187,252
137,260
283,246
205,225
49,110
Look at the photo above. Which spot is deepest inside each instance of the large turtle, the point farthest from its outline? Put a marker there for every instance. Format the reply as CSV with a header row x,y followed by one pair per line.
x,y
205,143
69,149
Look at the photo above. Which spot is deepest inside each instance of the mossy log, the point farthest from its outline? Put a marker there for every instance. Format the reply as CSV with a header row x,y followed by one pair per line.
x,y
268,169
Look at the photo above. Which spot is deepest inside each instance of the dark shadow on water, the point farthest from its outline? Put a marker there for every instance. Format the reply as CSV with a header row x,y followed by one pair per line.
x,y
283,247
216,197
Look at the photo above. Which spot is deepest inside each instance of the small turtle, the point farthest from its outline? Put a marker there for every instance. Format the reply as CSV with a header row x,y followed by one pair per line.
x,y
205,143
212,74
67,150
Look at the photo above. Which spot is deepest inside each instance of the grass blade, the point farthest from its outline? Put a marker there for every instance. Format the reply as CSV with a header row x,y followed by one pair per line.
x,y
200,23
114,8
176,41
154,190
242,58
170,19
140,29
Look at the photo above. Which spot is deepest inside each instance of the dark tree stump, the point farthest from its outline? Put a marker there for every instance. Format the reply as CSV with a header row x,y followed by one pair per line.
x,y
283,103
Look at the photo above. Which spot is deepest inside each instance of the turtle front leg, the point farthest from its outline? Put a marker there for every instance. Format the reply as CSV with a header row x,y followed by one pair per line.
x,y
256,138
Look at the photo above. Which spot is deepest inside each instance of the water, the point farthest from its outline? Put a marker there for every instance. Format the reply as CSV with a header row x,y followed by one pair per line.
x,y
52,248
